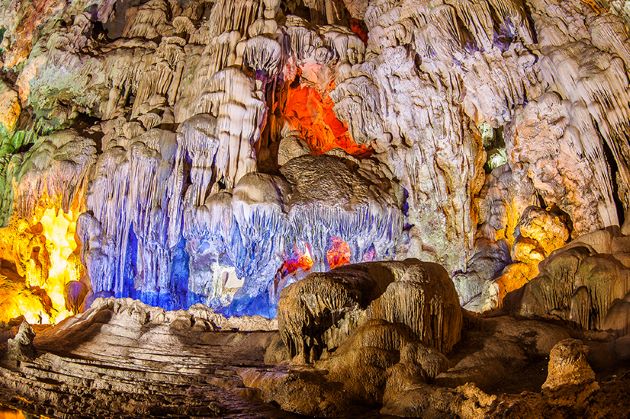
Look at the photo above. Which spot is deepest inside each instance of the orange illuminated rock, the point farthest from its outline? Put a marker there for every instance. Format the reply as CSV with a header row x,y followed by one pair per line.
x,y
514,276
570,378
9,108
339,253
313,116
597,5
299,262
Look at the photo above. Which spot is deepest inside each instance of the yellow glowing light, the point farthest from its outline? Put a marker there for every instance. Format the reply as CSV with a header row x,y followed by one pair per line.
x,y
59,228
11,414
597,5
43,250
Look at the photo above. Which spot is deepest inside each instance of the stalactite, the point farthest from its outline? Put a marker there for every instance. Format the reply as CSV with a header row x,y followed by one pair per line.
x,y
195,99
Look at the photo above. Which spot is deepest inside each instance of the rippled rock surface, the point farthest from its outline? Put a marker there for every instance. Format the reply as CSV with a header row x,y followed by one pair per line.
x,y
217,152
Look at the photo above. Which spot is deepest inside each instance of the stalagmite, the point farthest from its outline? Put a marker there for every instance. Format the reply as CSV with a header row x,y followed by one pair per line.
x,y
582,282
318,313
174,175
569,374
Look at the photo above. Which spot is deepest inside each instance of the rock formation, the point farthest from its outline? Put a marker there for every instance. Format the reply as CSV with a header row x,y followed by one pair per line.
x,y
124,357
187,105
416,298
359,169
360,362
586,282
127,358
569,370
21,346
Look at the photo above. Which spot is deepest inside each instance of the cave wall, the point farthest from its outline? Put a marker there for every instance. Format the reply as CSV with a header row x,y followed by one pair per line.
x,y
216,151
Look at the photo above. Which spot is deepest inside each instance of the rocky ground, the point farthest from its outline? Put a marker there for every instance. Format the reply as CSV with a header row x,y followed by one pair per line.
x,y
391,335
123,358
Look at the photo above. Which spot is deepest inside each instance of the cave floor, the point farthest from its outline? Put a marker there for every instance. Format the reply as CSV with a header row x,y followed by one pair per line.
x,y
122,366
106,370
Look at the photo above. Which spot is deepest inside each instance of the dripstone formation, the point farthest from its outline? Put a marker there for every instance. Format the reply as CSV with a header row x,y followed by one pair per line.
x,y
412,207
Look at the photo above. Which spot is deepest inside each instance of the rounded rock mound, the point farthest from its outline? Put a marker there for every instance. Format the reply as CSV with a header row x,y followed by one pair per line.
x,y
316,315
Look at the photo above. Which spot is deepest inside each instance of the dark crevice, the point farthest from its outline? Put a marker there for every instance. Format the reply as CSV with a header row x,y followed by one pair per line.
x,y
116,24
493,147
564,217
530,22
540,200
85,126
467,39
614,175
23,148
502,36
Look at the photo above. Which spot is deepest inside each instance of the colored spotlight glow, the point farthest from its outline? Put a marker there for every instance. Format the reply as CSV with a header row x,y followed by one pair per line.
x,y
338,254
313,116
300,260
43,250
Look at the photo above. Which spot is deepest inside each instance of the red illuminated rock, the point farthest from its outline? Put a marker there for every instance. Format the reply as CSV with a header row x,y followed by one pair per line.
x,y
312,115
338,254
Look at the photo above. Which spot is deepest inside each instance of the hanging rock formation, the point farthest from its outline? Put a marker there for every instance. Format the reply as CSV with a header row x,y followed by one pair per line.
x,y
459,115
38,245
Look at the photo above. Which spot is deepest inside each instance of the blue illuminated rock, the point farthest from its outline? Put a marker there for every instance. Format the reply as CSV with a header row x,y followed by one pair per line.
x,y
150,236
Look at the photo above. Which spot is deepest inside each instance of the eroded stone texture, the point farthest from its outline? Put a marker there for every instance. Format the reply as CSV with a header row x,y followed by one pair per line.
x,y
582,283
189,100
220,151
38,246
318,313
9,109
21,346
569,370
546,141
381,364
123,357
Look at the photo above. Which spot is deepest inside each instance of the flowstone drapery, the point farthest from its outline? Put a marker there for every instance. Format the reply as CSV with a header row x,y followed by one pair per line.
x,y
224,149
